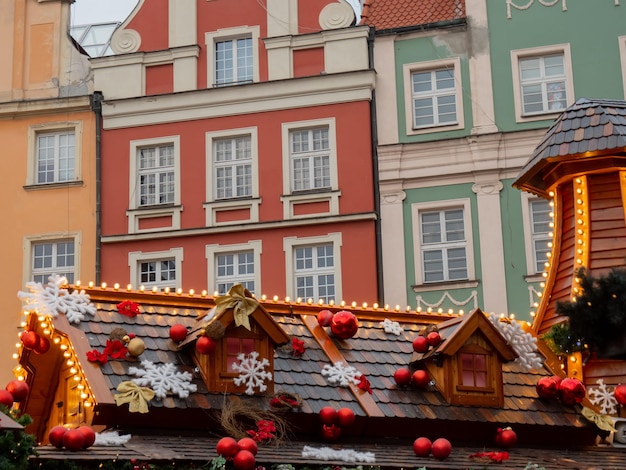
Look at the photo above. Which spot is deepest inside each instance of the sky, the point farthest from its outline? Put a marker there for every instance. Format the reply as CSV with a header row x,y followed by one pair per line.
x,y
100,11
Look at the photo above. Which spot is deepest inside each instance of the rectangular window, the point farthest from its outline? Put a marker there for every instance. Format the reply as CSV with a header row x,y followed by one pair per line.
x,y
234,61
434,97
314,271
53,257
156,175
159,273
309,159
473,370
55,162
234,347
540,232
543,84
444,245
234,268
232,159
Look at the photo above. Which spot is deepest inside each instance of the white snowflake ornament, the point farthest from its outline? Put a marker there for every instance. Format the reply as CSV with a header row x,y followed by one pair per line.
x,y
524,343
338,374
163,378
392,327
53,298
603,397
252,372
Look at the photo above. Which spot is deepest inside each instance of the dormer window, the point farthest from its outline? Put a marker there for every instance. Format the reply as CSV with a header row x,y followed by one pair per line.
x,y
474,369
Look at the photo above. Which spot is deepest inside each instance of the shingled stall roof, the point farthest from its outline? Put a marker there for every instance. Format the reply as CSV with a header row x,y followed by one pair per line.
x,y
590,135
391,417
398,14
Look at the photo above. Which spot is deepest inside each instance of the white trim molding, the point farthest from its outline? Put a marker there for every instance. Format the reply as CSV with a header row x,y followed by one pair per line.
x,y
622,55
256,246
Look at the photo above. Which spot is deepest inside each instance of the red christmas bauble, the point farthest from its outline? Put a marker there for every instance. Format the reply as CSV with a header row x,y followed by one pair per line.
x,y
420,344
248,444
433,338
420,378
6,398
441,448
506,438
331,433
620,394
89,436
178,332
344,324
244,460
572,391
205,345
43,346
402,376
422,446
328,415
55,436
547,387
30,339
346,417
227,447
19,389
324,317
73,440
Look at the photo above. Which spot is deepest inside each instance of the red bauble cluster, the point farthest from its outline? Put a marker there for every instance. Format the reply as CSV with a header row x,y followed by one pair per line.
x,y
178,332
34,342
18,390
620,394
548,387
571,391
505,437
75,439
419,379
241,452
422,343
334,420
441,448
343,324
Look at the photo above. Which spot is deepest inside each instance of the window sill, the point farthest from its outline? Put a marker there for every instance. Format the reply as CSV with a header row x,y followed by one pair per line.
x,y
143,214
531,278
65,184
222,207
447,285
549,116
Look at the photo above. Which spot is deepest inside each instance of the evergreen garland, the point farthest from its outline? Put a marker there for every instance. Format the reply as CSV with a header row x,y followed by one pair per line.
x,y
16,446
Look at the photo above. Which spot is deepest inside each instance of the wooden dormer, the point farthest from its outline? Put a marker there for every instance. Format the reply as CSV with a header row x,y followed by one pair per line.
x,y
216,369
466,366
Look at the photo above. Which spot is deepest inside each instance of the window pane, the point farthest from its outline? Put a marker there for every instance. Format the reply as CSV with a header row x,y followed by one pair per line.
x,y
454,225
431,227
55,157
422,82
445,79
433,266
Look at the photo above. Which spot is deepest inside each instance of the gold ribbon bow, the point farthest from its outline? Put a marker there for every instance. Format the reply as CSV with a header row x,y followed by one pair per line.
x,y
603,422
242,306
137,397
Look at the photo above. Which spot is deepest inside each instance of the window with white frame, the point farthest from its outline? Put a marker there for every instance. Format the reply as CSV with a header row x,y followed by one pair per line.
x,y
53,257
540,232
309,159
314,267
232,56
155,165
156,269
622,54
433,96
234,264
542,81
55,157
232,161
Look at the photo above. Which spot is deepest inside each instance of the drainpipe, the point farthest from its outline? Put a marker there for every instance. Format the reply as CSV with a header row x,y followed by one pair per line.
x,y
377,222
96,105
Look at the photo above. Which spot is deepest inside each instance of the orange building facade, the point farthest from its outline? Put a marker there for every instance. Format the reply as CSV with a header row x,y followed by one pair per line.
x,y
240,150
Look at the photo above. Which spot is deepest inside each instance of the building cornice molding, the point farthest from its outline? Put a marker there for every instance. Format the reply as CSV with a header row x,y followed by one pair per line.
x,y
48,106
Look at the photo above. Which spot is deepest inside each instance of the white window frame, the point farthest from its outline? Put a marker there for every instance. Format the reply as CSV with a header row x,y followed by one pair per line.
x,y
53,237
37,130
137,212
251,203
211,252
622,54
136,257
416,210
431,65
227,34
517,55
290,243
330,195
532,273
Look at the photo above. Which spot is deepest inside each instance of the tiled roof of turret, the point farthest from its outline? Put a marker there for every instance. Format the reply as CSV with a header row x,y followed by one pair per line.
x,y
391,14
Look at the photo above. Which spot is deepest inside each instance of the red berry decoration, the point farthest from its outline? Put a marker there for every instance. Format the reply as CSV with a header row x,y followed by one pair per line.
x,y
572,391
420,344
227,447
328,415
178,332
346,417
6,398
89,436
402,376
30,339
244,460
620,394
324,317
19,389
248,444
344,324
547,387
73,440
43,346
422,446
205,345
433,338
420,378
441,448
331,433
55,436
506,437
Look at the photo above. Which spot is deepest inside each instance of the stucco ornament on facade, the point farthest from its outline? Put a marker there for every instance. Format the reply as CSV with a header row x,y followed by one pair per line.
x,y
546,3
446,295
125,41
336,15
